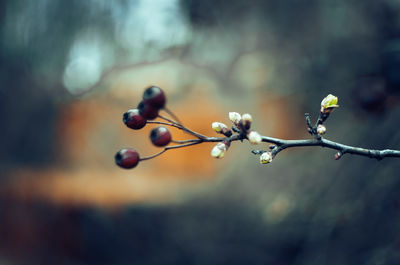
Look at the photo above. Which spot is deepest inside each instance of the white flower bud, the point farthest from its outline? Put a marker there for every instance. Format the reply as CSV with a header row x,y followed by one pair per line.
x,y
218,126
254,137
266,158
245,122
338,155
219,150
247,117
234,117
321,129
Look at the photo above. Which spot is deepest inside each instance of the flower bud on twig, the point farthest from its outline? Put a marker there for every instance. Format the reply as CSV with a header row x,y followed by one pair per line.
x,y
219,150
254,137
218,126
235,117
329,103
245,122
266,158
338,155
321,129
227,132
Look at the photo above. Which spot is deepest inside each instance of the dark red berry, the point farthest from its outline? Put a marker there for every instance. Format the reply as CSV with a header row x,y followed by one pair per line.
x,y
160,136
133,119
127,158
147,111
155,97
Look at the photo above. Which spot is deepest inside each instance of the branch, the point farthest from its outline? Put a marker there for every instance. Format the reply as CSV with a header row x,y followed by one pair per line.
x,y
342,148
241,124
280,144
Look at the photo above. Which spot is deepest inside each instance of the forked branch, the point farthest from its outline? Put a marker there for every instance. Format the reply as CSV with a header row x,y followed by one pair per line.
x,y
154,101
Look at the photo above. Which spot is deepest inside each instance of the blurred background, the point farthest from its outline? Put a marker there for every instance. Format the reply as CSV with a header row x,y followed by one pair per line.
x,y
70,69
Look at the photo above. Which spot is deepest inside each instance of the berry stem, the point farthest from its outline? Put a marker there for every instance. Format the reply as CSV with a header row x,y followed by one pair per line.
x,y
165,123
170,147
169,112
184,128
185,141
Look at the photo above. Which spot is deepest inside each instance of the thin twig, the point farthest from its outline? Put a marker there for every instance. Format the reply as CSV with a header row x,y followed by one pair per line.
x,y
185,141
321,118
343,149
168,148
184,128
172,115
169,120
165,123
308,121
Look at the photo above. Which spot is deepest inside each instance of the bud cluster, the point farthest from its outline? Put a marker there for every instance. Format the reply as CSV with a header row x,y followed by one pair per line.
x,y
241,125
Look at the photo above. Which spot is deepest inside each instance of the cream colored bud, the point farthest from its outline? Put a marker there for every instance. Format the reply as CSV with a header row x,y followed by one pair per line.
x,y
247,117
266,158
338,155
234,117
321,129
254,137
329,103
245,122
218,126
219,150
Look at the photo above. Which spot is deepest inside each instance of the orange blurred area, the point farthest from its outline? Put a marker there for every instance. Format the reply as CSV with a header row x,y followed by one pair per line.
x,y
90,131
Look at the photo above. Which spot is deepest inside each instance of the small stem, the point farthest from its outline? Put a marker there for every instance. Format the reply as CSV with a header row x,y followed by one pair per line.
x,y
308,121
165,123
172,115
321,118
168,148
169,120
311,130
153,156
185,141
184,128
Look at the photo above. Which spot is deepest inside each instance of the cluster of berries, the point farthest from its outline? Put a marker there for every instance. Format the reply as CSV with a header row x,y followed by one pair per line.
x,y
153,101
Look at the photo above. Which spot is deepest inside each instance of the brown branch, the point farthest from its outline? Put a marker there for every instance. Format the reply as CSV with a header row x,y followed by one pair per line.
x,y
343,149
278,144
